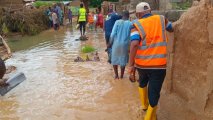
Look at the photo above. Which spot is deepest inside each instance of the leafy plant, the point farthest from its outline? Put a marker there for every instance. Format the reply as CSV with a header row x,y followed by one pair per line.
x,y
87,49
4,29
182,5
42,3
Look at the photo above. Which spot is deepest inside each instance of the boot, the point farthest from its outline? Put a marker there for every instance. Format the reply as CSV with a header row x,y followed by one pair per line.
x,y
143,92
151,113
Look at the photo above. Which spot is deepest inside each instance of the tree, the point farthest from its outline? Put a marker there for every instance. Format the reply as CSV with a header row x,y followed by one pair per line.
x,y
86,4
95,3
156,4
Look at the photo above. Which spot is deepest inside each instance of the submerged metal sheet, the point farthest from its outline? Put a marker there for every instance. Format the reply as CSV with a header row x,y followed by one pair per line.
x,y
13,82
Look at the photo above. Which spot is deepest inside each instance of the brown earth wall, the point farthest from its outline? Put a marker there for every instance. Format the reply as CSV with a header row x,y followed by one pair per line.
x,y
188,90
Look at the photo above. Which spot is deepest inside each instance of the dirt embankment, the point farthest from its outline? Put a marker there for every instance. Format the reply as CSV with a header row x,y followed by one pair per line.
x,y
188,90
26,21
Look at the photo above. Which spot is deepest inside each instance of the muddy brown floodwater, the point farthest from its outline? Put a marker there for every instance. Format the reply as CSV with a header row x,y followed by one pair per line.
x,y
59,89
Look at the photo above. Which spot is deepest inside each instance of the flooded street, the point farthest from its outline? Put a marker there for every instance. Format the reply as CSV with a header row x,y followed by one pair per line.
x,y
59,89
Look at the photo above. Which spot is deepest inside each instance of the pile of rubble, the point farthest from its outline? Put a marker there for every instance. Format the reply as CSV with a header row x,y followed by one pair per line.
x,y
26,21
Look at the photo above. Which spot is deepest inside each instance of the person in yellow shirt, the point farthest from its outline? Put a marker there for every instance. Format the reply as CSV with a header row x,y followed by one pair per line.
x,y
82,19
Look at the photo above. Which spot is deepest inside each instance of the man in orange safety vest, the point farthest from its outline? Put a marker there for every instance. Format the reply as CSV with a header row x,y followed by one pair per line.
x,y
148,52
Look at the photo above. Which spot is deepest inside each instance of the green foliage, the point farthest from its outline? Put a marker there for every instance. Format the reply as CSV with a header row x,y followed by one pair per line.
x,y
75,10
54,0
4,29
87,49
95,3
182,6
42,3
113,0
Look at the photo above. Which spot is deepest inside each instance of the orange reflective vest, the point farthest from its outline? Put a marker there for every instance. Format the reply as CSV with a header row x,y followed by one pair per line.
x,y
152,48
90,18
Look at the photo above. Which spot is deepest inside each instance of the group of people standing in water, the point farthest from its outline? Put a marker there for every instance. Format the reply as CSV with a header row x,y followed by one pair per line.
x,y
142,44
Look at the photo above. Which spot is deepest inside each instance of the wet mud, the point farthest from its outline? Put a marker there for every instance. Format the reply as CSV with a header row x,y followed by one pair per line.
x,y
57,88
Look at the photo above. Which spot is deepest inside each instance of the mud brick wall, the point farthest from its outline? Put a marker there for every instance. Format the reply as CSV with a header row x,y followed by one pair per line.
x,y
188,90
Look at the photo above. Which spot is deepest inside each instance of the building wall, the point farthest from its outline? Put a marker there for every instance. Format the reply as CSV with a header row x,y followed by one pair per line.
x,y
160,5
165,5
188,90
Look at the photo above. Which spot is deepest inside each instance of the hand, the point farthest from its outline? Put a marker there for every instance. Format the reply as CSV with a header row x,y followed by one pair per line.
x,y
9,55
131,69
109,45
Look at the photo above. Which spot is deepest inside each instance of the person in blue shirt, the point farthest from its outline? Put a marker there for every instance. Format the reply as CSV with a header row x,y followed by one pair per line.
x,y
109,23
108,26
59,13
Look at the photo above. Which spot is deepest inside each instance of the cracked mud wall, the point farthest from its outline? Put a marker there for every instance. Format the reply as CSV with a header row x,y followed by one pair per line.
x,y
188,89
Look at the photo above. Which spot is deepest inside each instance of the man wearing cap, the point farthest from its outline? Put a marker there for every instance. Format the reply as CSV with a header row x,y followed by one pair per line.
x,y
148,56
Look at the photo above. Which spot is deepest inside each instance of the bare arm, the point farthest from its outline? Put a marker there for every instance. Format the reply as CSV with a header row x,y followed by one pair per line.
x,y
78,18
133,49
9,54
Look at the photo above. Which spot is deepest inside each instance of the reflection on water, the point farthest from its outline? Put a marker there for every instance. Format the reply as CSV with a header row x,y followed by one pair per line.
x,y
59,89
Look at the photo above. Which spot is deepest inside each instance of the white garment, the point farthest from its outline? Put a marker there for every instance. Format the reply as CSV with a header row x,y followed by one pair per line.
x,y
95,18
55,18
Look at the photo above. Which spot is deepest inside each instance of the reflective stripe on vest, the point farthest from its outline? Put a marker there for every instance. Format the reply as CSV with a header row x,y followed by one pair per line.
x,y
82,14
148,55
143,33
151,56
164,43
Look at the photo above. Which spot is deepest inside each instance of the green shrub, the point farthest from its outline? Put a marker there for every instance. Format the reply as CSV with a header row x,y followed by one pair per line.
x,y
182,6
4,29
42,3
87,49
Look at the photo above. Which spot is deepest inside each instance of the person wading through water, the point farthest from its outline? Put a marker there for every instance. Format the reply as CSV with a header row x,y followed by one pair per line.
x,y
148,54
108,25
82,19
119,41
